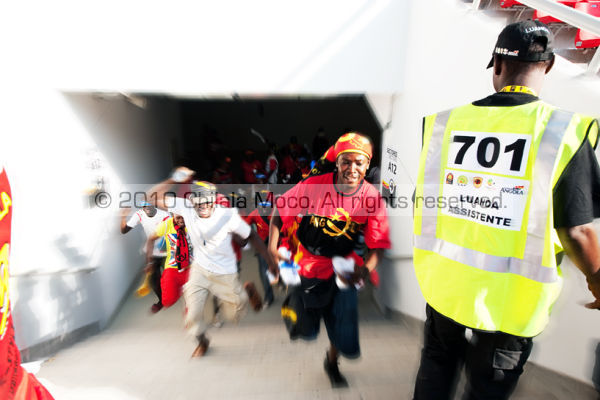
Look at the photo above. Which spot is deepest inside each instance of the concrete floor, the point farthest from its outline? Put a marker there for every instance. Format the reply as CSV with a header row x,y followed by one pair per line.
x,y
145,356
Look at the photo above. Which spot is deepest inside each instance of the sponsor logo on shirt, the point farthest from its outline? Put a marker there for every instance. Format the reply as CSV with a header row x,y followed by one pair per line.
x,y
518,190
462,180
477,181
449,178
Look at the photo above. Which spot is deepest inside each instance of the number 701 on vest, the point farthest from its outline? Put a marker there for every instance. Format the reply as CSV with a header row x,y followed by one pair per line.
x,y
498,153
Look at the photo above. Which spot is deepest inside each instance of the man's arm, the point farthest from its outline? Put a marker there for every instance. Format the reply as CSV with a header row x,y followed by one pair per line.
x,y
274,232
363,272
581,245
156,194
373,257
124,227
259,245
237,239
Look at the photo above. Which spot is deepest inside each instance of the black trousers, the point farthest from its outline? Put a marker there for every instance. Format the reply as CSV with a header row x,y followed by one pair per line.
x,y
493,361
157,267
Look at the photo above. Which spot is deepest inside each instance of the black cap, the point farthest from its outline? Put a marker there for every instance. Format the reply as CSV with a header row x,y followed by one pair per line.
x,y
516,38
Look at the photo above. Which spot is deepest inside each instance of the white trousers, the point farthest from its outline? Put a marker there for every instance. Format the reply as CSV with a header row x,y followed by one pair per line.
x,y
226,288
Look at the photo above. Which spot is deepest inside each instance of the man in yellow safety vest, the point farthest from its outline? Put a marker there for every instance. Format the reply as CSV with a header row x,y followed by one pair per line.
x,y
506,186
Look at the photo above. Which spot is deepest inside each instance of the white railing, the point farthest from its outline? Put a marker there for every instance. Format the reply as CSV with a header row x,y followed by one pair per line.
x,y
570,16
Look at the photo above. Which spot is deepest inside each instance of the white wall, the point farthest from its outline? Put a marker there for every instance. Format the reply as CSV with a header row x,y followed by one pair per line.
x,y
70,266
136,143
446,68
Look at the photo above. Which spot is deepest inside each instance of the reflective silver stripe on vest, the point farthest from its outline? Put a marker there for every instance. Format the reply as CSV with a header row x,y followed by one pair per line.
x,y
541,184
433,167
531,265
487,262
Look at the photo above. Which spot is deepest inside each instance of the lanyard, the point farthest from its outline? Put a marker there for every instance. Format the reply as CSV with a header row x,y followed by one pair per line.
x,y
518,89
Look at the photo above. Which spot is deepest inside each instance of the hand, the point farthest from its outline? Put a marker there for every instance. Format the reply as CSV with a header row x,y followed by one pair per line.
x,y
125,212
360,273
239,241
182,175
283,254
345,280
148,268
273,262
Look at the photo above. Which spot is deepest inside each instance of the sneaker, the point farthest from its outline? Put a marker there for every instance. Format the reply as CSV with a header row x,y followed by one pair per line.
x,y
253,296
217,324
216,321
267,304
156,307
201,348
333,372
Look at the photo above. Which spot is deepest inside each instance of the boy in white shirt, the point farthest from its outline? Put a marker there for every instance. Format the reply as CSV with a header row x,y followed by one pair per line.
x,y
149,217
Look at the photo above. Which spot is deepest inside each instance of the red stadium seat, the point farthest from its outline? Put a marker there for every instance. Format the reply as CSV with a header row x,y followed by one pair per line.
x,y
586,40
548,19
571,3
509,3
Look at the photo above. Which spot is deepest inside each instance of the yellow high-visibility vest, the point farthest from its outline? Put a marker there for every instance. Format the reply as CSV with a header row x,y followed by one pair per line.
x,y
485,245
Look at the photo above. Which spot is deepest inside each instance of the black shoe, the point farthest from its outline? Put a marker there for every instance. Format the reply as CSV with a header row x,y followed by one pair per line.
x,y
253,296
156,307
333,372
203,343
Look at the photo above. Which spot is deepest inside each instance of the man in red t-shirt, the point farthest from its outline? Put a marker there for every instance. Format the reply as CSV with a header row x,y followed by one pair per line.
x,y
288,166
15,382
252,169
223,175
334,208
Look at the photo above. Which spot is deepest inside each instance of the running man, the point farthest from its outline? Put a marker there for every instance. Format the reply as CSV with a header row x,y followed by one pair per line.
x,y
214,269
149,216
335,207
